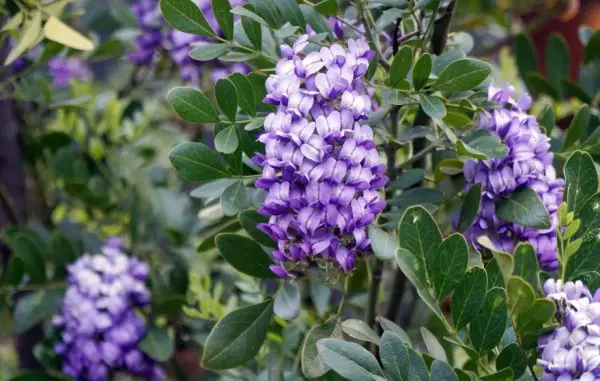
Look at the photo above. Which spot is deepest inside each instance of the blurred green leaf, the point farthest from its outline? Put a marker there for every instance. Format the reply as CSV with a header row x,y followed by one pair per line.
x,y
33,259
245,255
158,343
557,60
14,271
571,89
415,196
525,208
548,119
56,30
287,301
34,376
29,33
185,16
419,234
592,49
578,127
208,51
538,85
525,56
34,307
237,338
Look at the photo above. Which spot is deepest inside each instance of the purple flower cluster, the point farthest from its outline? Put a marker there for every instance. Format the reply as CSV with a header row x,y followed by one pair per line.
x,y
63,70
527,164
100,329
178,44
572,351
321,168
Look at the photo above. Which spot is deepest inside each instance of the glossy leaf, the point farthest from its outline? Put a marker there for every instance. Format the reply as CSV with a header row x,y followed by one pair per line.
x,y
253,30
249,220
450,264
222,11
227,98
245,255
236,338
512,357
582,180
401,65
526,265
246,99
291,12
578,128
488,326
521,296
525,208
421,71
419,234
407,179
468,297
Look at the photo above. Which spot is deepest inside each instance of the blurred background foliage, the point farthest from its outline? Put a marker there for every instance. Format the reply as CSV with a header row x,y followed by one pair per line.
x,y
90,160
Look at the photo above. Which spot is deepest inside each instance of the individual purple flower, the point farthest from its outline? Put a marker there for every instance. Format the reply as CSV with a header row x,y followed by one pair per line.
x,y
529,163
100,328
150,39
321,167
571,351
63,70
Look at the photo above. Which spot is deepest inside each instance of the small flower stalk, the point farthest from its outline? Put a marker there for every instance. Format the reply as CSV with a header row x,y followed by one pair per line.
x,y
528,164
321,168
572,351
99,323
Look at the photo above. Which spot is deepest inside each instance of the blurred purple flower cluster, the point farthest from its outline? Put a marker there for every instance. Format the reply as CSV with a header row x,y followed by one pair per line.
x,y
100,328
177,44
572,351
63,70
321,168
529,163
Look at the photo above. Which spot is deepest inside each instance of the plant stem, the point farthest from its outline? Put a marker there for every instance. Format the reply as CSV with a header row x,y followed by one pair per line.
x,y
418,156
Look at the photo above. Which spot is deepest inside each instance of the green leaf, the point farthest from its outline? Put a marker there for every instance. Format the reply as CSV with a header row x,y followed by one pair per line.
x,y
433,346
521,296
287,301
245,255
13,23
441,371
512,357
450,265
29,34
320,294
421,71
557,60
236,338
525,56
253,30
14,272
586,259
462,75
591,279
185,16
234,199
401,65
538,85
468,297
327,7
419,234
416,196
506,264
211,189
33,259
408,178
191,105
34,307
433,106
418,369
540,313
208,51
488,326
578,127
394,357
291,12
590,215
525,208
64,252
241,11
445,59
494,274
526,265
312,363
414,270
316,21
197,162
350,360
394,328
383,243
227,140
548,119
482,145
581,179
249,220
246,98
573,90
227,98
158,344
222,11
503,375
269,12
592,49
470,207
360,330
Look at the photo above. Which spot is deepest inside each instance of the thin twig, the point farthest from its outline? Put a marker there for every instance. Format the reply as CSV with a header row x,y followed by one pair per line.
x,y
418,156
369,33
8,206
